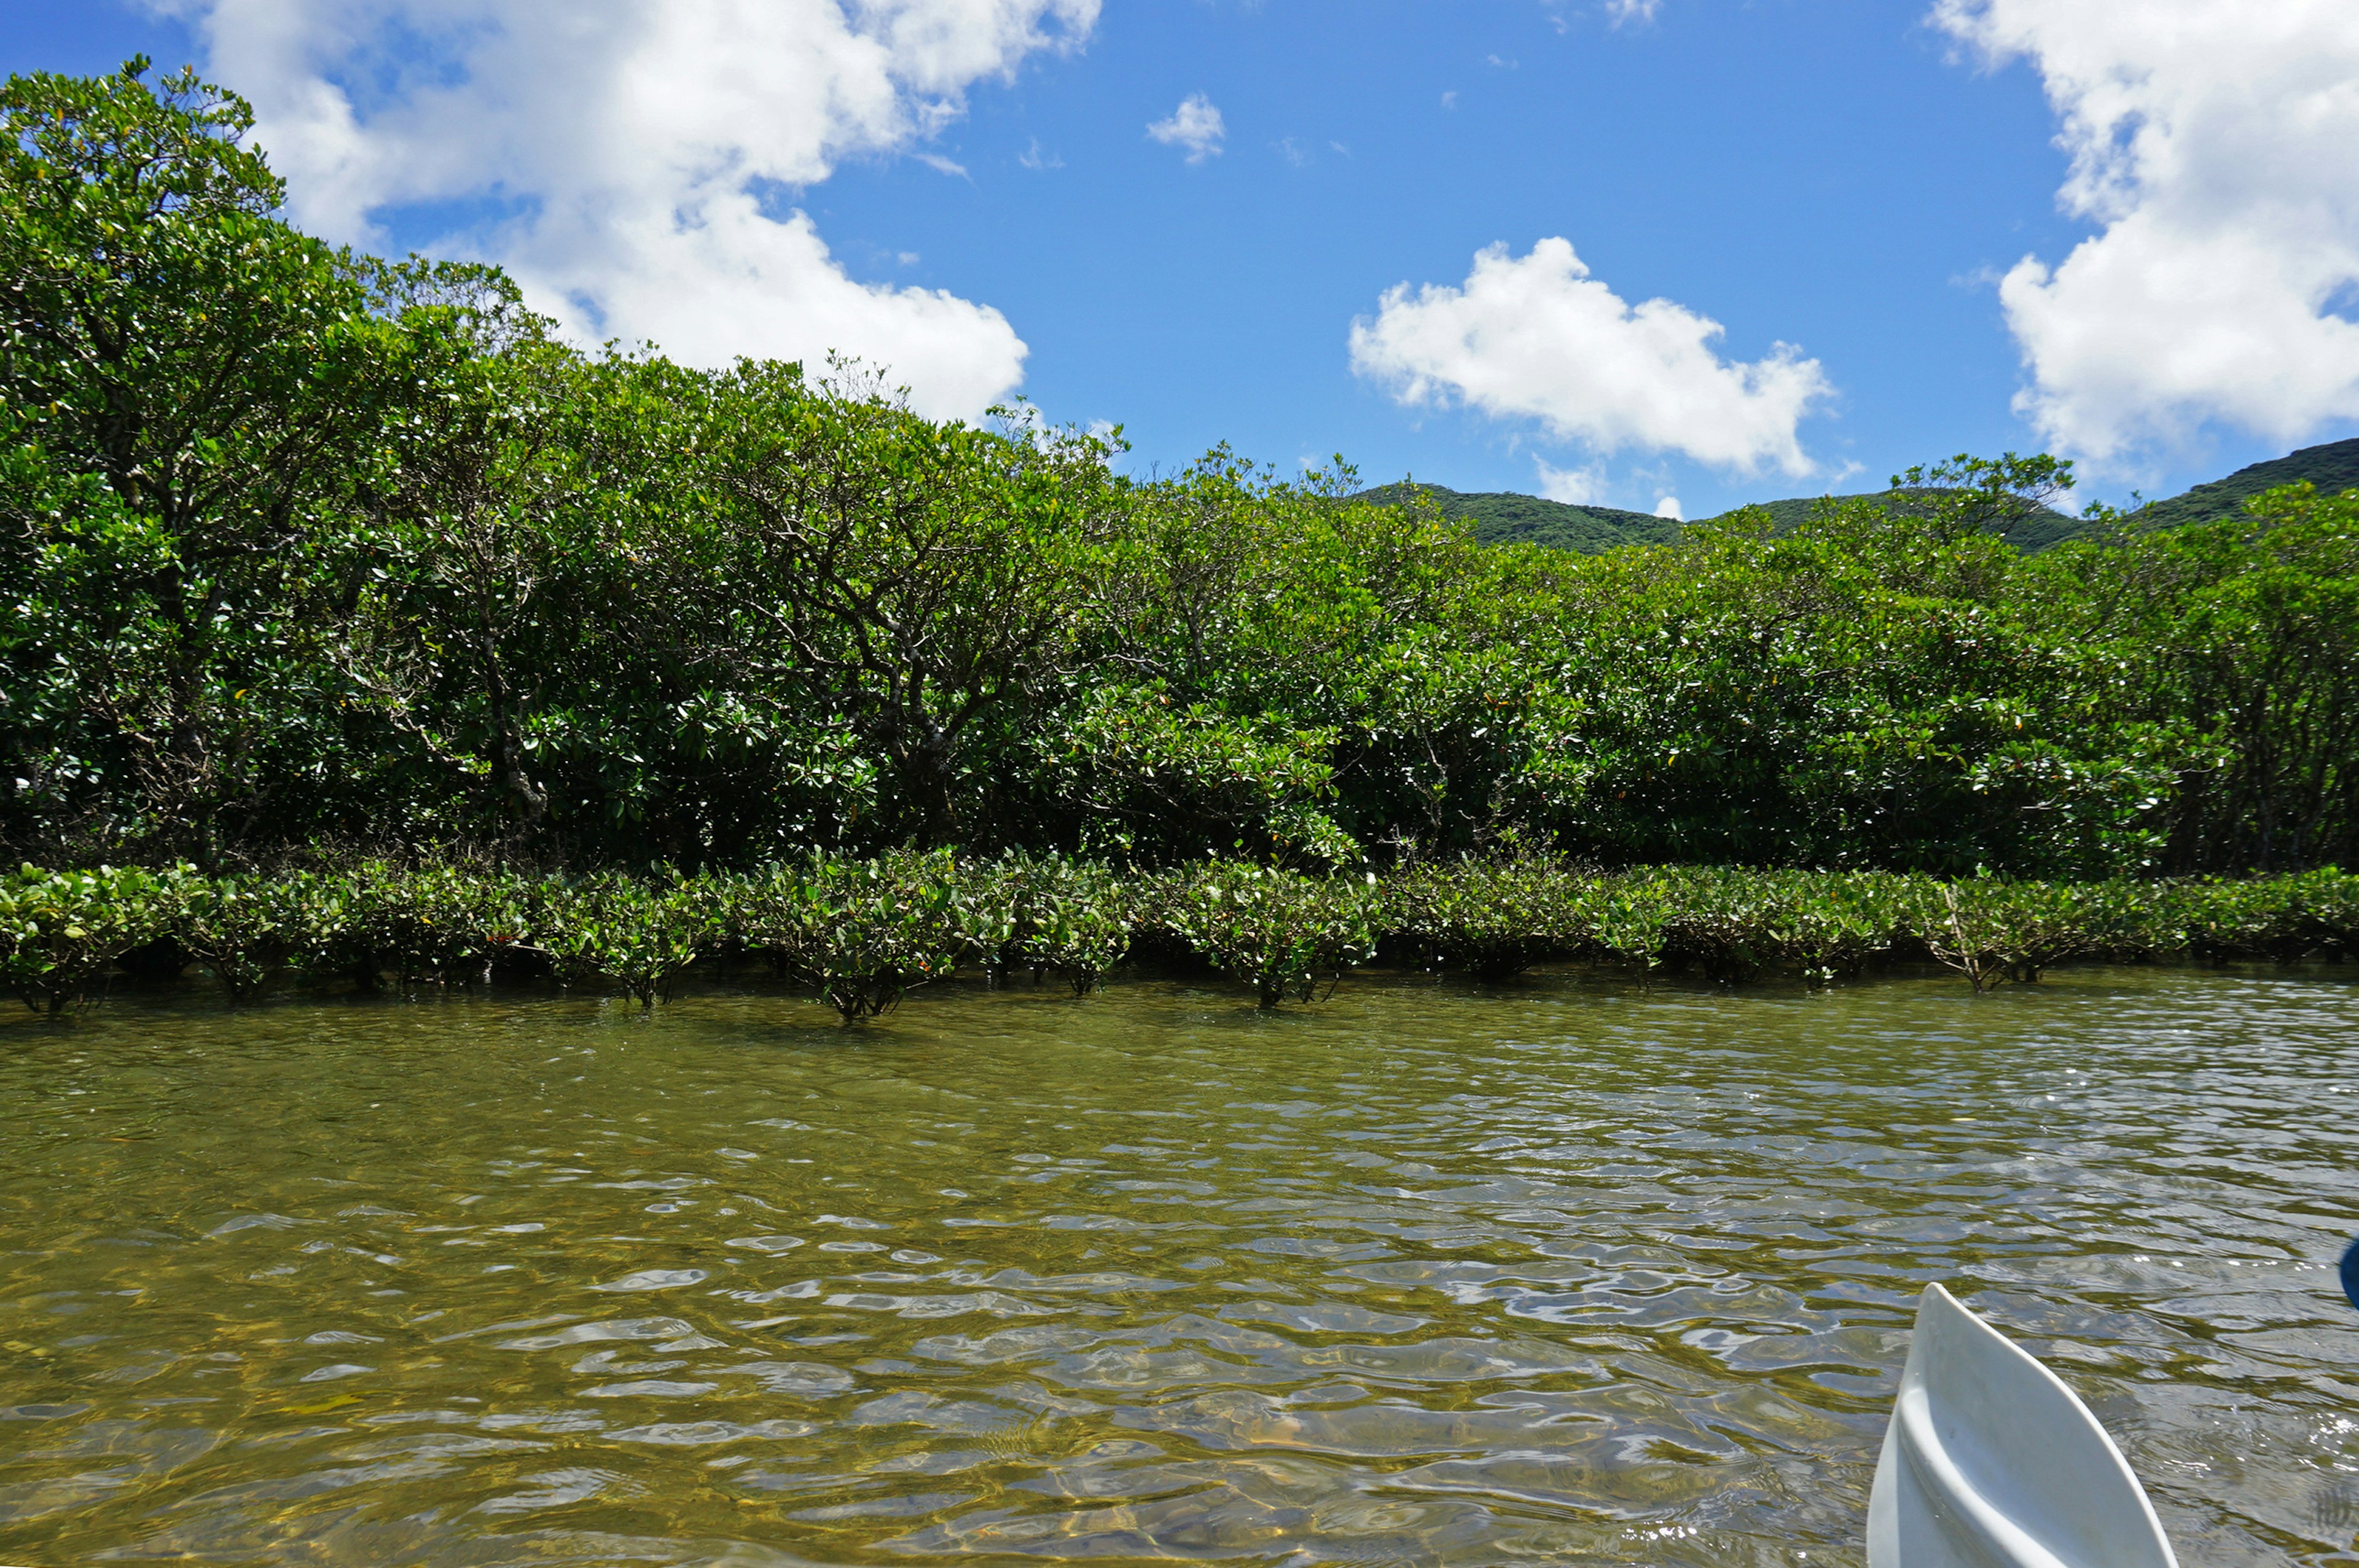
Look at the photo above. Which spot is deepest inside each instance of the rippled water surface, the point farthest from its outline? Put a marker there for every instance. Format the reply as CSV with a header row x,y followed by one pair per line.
x,y
1577,1271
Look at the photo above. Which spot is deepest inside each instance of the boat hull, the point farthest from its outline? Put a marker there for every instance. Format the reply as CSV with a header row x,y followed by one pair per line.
x,y
1991,1462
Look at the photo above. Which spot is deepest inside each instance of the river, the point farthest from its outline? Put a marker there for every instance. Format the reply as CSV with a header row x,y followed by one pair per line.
x,y
1580,1269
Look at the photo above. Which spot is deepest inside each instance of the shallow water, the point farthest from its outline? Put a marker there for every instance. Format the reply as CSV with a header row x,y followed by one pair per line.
x,y
1576,1270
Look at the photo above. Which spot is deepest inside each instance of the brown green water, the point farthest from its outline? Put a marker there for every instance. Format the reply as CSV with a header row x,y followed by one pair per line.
x,y
1577,1270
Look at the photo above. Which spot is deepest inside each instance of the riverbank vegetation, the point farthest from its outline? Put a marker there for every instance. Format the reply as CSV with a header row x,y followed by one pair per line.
x,y
421,635
860,934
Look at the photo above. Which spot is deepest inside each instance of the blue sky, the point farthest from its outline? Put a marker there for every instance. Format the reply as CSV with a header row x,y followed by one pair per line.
x,y
1848,178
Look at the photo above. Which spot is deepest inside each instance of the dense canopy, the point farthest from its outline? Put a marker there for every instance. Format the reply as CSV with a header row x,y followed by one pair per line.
x,y
308,554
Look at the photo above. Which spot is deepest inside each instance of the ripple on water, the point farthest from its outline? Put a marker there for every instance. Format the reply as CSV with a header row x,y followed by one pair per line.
x,y
1578,1269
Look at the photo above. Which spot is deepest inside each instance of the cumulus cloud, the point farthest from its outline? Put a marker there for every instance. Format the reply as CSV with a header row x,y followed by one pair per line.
x,y
1535,336
1196,126
1668,506
639,158
1574,487
2211,142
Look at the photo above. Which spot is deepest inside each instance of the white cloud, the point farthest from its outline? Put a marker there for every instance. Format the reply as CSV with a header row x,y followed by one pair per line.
x,y
2211,143
1537,338
640,149
1668,506
1625,11
1195,126
1574,487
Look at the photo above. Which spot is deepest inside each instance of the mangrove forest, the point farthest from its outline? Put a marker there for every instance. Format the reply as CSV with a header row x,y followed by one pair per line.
x,y
357,620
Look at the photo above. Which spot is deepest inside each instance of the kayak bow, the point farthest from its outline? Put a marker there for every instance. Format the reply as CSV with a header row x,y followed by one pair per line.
x,y
1991,1462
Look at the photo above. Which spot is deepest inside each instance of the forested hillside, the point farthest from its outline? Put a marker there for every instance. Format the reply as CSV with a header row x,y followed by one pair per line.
x,y
1503,517
311,555
2030,530
2331,470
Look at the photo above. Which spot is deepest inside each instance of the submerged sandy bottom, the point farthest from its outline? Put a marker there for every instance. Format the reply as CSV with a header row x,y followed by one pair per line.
x,y
1574,1270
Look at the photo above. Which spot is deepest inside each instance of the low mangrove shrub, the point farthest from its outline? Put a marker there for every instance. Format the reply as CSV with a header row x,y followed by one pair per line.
x,y
63,930
1277,931
449,922
1993,931
640,936
1493,920
1737,924
861,932
443,923
2272,917
237,928
1053,914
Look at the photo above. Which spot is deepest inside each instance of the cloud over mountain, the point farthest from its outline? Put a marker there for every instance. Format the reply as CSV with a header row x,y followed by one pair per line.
x,y
1537,337
2212,147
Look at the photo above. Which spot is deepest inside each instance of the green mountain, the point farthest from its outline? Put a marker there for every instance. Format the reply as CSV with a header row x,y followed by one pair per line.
x,y
2044,530
2334,468
1503,518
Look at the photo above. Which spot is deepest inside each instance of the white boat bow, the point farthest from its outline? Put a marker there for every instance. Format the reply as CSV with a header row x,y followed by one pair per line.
x,y
1991,1462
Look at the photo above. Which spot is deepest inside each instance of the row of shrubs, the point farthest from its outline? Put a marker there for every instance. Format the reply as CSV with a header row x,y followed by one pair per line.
x,y
860,933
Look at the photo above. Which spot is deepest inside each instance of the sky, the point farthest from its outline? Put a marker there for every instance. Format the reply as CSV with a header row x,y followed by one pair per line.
x,y
1663,254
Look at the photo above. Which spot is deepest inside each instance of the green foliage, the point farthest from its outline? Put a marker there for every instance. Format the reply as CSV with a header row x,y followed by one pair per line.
x,y
913,578
862,933
333,925
1993,931
239,928
1493,920
439,922
452,922
1737,924
189,389
1051,913
63,930
1148,784
1966,495
2221,663
2282,918
311,557
1503,518
640,936
1277,931
2331,470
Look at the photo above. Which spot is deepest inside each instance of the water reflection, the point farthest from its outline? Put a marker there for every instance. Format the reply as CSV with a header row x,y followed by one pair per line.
x,y
1580,1270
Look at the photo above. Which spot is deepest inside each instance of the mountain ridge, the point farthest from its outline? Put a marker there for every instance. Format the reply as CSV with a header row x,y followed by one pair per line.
x,y
2333,466
1503,517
